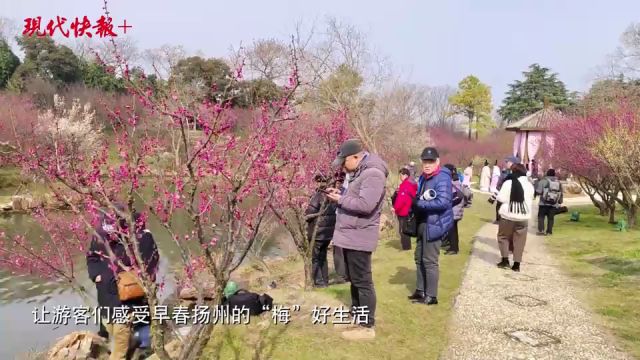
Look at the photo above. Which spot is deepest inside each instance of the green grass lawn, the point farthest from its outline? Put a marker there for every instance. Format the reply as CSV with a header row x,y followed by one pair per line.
x,y
403,331
606,264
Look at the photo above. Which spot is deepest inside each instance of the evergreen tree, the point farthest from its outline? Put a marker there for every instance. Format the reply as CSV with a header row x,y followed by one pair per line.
x,y
525,97
8,63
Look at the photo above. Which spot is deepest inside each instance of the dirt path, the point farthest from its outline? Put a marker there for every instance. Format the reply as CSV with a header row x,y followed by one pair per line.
x,y
534,314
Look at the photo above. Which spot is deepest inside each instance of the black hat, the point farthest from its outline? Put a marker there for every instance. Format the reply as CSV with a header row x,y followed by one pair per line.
x,y
348,148
429,153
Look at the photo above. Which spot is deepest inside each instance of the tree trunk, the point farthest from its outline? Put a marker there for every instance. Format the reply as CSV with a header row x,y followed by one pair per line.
x,y
477,127
632,216
470,116
601,208
157,334
308,273
612,213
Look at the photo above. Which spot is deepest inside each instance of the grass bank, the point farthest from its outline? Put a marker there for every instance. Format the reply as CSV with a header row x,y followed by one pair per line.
x,y
606,265
404,330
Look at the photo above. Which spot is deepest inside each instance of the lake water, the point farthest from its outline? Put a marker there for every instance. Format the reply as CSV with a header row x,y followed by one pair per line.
x,y
20,295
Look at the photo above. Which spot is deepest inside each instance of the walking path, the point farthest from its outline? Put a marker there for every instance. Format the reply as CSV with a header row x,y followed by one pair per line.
x,y
534,314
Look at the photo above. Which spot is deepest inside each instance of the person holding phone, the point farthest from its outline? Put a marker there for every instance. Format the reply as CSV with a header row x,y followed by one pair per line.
x,y
357,229
321,221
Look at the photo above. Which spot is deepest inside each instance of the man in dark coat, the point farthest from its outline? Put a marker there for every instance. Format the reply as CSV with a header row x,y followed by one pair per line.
x,y
321,218
551,194
102,271
434,213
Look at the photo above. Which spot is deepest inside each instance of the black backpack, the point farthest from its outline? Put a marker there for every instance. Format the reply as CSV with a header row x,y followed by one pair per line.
x,y
553,191
257,304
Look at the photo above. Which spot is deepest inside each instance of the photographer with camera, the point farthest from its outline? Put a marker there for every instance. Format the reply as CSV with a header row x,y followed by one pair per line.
x,y
434,213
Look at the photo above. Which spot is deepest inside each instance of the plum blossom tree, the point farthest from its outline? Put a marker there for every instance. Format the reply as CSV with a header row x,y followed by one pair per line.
x,y
220,180
601,149
310,151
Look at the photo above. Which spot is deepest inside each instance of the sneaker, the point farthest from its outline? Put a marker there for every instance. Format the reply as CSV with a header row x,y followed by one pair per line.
x,y
504,264
320,286
417,295
549,234
451,252
540,233
345,326
361,333
516,267
427,300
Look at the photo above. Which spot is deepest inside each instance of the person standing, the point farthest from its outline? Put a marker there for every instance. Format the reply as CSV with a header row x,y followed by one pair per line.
x,y
495,176
321,220
412,170
402,205
468,174
509,162
459,202
357,229
338,256
551,197
102,271
534,169
433,208
516,197
485,177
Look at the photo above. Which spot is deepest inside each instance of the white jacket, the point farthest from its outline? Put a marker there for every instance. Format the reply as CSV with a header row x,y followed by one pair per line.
x,y
505,194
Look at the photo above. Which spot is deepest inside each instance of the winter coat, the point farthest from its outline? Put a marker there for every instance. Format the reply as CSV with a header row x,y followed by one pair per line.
x,y
438,212
359,208
458,201
406,193
99,264
505,194
544,184
326,220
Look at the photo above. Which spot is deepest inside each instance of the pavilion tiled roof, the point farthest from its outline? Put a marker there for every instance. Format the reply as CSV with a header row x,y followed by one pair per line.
x,y
538,121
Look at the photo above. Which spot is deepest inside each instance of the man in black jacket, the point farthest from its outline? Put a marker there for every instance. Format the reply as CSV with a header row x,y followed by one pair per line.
x,y
103,269
321,219
551,196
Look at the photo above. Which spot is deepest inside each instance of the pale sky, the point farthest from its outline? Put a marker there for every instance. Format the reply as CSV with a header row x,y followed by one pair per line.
x,y
428,42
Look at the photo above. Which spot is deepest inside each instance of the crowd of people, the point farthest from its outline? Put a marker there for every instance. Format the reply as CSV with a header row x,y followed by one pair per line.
x,y
345,213
428,205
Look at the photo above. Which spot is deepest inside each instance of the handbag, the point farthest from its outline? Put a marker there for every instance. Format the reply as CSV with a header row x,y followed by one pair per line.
x,y
129,287
410,225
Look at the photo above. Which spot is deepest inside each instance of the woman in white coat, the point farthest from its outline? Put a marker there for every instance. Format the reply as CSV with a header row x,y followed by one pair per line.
x,y
495,176
468,174
485,177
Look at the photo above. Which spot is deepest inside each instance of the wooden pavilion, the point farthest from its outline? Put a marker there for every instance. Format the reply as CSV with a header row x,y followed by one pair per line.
x,y
532,138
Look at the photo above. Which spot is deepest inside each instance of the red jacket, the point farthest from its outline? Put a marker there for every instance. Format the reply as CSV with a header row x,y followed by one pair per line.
x,y
406,193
